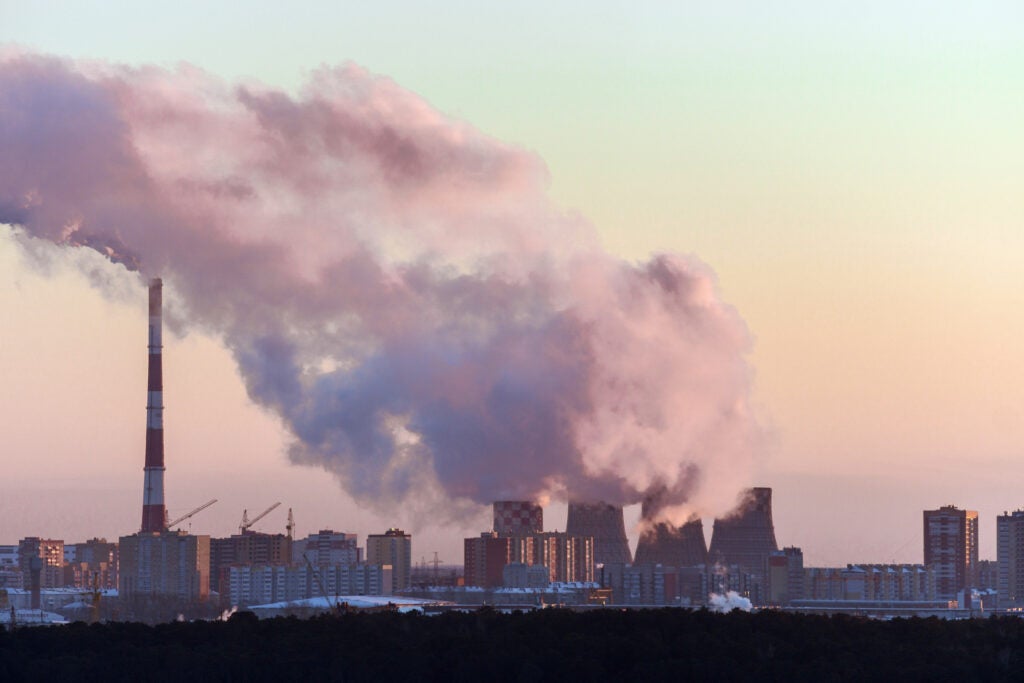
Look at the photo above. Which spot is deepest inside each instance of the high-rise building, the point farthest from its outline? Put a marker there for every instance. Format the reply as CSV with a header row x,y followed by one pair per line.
x,y
1010,559
92,564
568,558
951,549
605,524
485,559
247,548
327,547
168,564
747,536
51,552
785,576
393,547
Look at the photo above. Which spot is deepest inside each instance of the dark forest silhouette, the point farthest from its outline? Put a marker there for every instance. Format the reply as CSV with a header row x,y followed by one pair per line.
x,y
668,644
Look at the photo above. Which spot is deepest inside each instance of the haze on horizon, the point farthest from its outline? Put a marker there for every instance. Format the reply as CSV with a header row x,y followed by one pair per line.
x,y
852,177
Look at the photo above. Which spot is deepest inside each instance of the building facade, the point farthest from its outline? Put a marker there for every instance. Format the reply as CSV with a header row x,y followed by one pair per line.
x,y
1010,559
51,552
746,537
249,547
169,564
951,549
263,583
785,576
394,548
327,547
485,558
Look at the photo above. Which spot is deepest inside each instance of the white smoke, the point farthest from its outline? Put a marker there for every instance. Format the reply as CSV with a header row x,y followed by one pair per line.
x,y
395,285
728,602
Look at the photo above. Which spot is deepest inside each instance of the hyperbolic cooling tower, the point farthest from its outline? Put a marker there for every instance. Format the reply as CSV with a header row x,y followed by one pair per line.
x,y
604,522
518,518
673,546
153,511
747,536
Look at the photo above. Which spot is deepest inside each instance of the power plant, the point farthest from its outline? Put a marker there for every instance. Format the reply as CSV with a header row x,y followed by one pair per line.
x,y
605,524
672,564
158,561
673,546
747,536
518,518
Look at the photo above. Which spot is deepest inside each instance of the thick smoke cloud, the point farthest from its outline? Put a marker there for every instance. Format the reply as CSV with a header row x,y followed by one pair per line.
x,y
394,284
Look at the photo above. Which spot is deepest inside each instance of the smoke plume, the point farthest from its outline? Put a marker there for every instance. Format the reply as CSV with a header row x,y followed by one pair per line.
x,y
393,283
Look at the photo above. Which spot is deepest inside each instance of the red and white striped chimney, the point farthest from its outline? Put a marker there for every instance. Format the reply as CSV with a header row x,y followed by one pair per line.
x,y
154,515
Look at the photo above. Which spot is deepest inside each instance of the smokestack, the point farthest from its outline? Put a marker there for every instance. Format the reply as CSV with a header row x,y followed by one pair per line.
x,y
518,518
605,523
153,511
747,536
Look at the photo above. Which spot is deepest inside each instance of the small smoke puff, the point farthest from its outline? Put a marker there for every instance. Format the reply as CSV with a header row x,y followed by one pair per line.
x,y
729,602
394,284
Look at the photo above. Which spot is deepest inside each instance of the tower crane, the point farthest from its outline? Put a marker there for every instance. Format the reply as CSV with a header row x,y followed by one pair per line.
x,y
246,522
181,519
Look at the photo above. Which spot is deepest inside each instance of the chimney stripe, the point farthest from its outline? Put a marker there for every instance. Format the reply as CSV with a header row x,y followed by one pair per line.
x,y
153,510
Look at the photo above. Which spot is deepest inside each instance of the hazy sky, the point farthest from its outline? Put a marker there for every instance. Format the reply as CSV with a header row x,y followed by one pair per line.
x,y
853,174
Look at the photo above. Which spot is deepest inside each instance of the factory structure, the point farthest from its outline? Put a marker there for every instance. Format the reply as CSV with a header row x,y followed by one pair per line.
x,y
515,562
157,561
672,565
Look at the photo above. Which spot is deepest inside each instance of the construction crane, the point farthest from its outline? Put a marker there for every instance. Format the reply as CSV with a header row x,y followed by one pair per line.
x,y
246,522
336,607
181,519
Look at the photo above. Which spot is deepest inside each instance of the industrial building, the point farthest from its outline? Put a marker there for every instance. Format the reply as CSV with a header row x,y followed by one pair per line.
x,y
518,518
519,538
157,561
604,523
671,545
747,536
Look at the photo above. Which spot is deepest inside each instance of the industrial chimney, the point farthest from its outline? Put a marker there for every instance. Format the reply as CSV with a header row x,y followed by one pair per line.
x,y
154,514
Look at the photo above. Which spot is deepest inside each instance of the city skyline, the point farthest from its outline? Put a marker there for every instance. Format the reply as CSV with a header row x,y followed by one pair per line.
x,y
869,248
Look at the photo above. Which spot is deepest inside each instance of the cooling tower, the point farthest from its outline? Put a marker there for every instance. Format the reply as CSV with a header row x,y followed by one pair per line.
x,y
673,546
518,518
605,524
747,536
154,515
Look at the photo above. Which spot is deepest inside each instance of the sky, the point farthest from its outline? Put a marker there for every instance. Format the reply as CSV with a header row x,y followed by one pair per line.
x,y
851,174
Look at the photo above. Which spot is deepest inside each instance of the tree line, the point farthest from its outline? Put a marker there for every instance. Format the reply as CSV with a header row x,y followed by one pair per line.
x,y
551,644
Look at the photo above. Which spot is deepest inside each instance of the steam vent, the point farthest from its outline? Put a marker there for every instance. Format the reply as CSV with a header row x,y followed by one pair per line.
x,y
604,522
673,546
747,536
518,518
